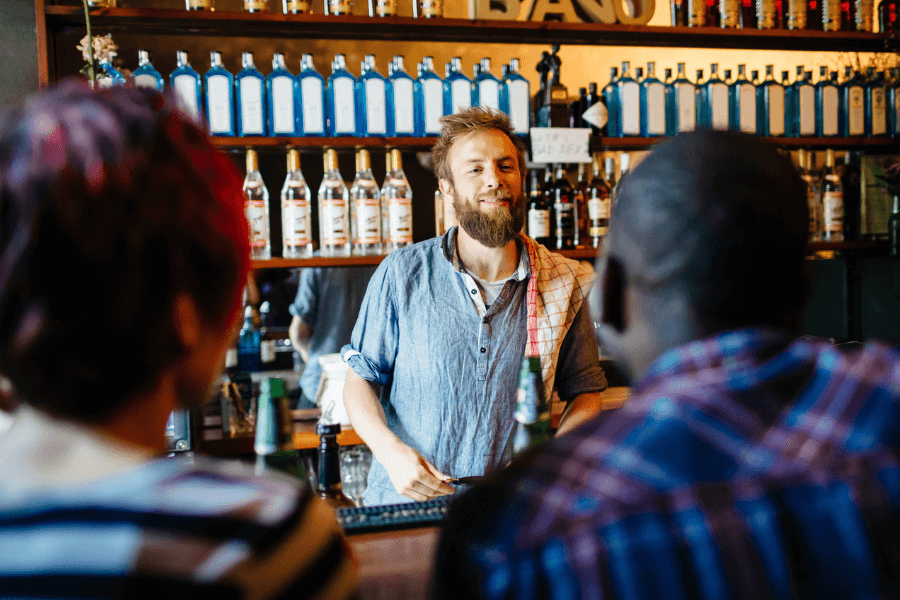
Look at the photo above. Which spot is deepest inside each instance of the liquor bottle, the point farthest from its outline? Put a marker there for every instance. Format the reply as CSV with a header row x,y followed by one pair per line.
x,y
812,193
250,95
653,104
386,8
803,117
853,105
876,105
610,96
266,338
398,204
714,101
599,204
198,4
311,99
848,18
754,77
281,91
893,103
639,75
832,201
696,13
887,16
539,209
401,101
487,87
577,108
328,486
334,210
340,100
457,88
770,106
797,13
186,83
814,14
748,14
515,98
580,200
730,14
894,228
831,15
219,84
595,112
678,12
727,79
624,165
248,344
108,75
667,81
296,217
712,13
827,105
766,14
628,101
684,103
274,441
429,100
145,75
365,208
851,176
371,100
565,226
253,6
295,7
743,103
864,14
256,208
532,414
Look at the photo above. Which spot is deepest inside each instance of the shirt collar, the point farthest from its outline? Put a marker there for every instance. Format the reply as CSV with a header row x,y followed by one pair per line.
x,y
451,253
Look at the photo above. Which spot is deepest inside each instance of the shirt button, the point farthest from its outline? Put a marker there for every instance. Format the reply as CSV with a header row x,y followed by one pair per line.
x,y
485,320
483,350
473,292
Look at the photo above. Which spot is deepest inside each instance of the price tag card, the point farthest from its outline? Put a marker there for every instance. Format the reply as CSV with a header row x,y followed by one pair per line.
x,y
560,145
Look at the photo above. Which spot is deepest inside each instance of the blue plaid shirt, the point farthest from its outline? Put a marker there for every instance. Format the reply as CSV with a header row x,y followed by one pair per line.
x,y
746,465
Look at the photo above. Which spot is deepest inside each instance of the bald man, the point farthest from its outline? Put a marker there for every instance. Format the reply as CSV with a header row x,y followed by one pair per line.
x,y
747,463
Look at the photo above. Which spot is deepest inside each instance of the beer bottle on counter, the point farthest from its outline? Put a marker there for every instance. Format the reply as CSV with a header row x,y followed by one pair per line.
x,y
564,211
274,443
532,414
539,210
329,480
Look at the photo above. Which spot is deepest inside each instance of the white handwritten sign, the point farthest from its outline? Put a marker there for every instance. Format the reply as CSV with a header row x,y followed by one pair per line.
x,y
560,145
628,12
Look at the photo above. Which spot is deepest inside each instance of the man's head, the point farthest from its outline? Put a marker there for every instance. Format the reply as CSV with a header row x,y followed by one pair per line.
x,y
123,248
708,234
480,162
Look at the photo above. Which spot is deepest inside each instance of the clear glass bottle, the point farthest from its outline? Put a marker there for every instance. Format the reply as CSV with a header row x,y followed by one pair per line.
x,y
653,104
832,201
338,7
386,8
770,106
743,103
311,98
876,105
796,15
696,16
256,209
253,6
250,98
714,101
401,102
334,210
828,101
199,5
341,100
145,75
365,208
730,14
853,105
457,88
185,81
429,100
684,103
296,211
766,14
398,200
371,100
831,15
295,7
515,98
628,102
599,205
487,87
281,91
609,94
219,85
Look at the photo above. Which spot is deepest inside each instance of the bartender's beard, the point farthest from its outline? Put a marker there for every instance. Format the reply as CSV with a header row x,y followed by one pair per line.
x,y
494,227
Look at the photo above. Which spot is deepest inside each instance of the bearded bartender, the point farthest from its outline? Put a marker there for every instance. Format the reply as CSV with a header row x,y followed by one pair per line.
x,y
437,349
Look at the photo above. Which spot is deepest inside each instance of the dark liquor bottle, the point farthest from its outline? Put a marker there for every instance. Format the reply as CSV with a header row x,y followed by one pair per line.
x,y
267,338
887,16
599,203
328,487
678,12
596,114
248,344
748,14
814,14
274,444
564,211
850,182
577,108
539,209
832,201
581,217
532,416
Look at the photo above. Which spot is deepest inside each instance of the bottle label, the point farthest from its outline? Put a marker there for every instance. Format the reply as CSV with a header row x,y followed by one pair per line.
x,y
807,111
186,94
765,14
283,105
218,104
856,124
538,223
251,106
146,81
718,106
879,115
730,11
834,211
489,94
776,110
656,109
255,210
747,95
831,15
376,112
312,93
687,114
403,106
400,220
460,95
267,351
434,105
596,115
335,221
296,223
630,108
830,102
864,10
697,13
344,109
368,220
599,208
797,14
520,105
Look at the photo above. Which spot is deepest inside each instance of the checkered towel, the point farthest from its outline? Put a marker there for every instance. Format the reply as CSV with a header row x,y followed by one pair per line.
x,y
556,289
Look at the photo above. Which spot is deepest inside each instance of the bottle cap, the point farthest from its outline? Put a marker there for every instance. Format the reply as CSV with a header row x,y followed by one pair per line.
x,y
396,159
364,161
252,163
327,429
293,160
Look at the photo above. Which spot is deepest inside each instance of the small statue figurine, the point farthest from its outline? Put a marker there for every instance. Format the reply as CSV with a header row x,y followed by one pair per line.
x,y
554,64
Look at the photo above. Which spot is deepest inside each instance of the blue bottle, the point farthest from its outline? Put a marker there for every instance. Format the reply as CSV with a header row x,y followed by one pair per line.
x,y
770,106
249,344
701,109
281,92
311,98
401,101
828,102
107,75
876,104
429,100
742,95
714,101
893,102
371,100
853,105
683,109
487,87
515,98
628,101
219,86
457,88
145,75
250,98
803,103
653,104
609,95
340,100
185,81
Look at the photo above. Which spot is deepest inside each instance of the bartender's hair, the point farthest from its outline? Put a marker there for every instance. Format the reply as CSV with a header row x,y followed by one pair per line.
x,y
111,203
466,121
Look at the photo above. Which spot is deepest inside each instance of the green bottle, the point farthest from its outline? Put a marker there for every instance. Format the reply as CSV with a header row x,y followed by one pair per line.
x,y
274,444
532,411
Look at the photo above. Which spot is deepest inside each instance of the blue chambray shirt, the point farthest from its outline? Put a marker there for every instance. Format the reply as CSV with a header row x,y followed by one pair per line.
x,y
448,366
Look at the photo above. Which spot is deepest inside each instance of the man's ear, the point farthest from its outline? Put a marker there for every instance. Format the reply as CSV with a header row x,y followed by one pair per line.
x,y
445,185
187,321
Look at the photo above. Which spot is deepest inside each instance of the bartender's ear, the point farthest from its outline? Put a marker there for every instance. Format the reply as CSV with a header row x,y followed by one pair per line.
x,y
186,320
445,185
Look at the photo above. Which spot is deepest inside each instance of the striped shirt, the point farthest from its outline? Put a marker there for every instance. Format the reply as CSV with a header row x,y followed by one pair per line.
x,y
155,528
746,465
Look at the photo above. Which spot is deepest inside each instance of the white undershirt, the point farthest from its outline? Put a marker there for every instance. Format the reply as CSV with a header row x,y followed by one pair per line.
x,y
489,289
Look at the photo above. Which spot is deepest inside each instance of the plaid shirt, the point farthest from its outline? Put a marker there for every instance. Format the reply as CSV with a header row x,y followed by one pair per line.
x,y
744,466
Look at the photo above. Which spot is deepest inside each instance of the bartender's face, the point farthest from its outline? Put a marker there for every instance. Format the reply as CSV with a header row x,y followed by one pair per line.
x,y
487,187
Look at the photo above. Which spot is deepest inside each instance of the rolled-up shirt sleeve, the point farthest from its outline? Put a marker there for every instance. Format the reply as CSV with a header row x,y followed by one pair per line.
x,y
373,344
578,369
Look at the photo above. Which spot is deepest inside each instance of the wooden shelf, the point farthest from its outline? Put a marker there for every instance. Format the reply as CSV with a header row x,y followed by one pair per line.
x,y
303,440
837,143
394,29
319,144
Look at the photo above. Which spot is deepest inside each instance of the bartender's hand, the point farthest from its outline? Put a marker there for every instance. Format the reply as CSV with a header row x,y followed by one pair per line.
x,y
412,475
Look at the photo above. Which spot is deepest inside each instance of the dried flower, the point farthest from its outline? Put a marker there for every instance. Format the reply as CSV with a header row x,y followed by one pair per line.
x,y
103,46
